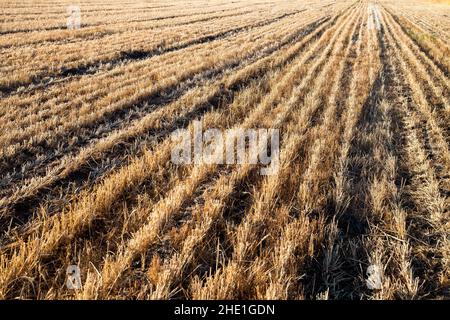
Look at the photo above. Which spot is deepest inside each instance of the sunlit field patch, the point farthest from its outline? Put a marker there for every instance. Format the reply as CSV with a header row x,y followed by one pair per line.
x,y
346,102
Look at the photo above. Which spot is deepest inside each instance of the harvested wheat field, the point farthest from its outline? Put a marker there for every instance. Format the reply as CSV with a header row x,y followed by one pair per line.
x,y
92,93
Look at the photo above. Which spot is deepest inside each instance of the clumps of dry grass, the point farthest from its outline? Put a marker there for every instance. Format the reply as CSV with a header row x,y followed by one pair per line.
x,y
359,208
